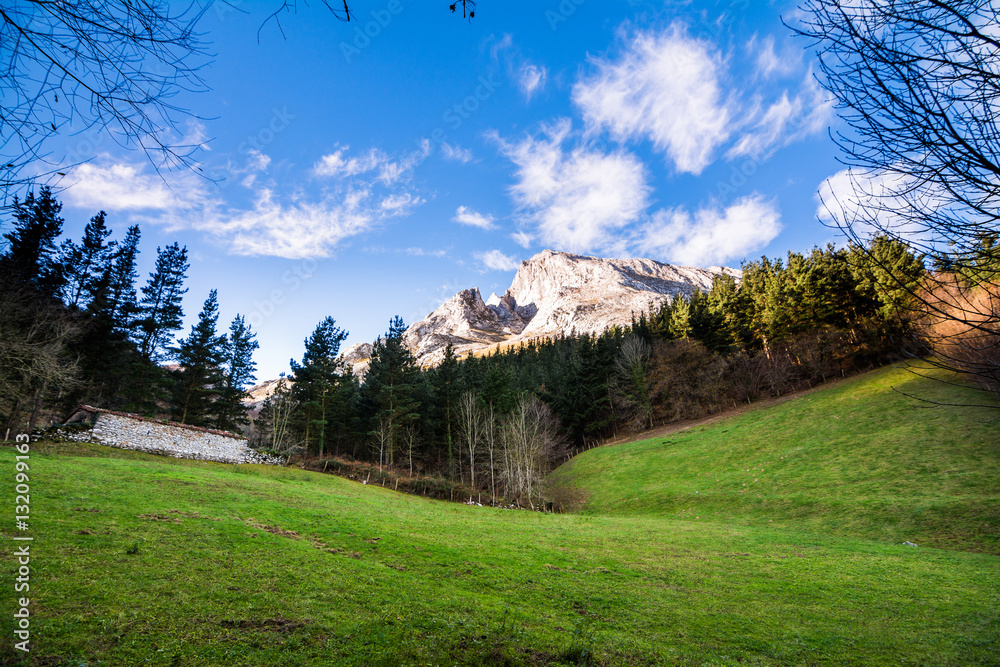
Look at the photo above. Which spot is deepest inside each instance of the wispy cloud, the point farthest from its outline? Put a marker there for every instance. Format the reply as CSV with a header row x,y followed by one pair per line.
x,y
494,260
767,61
665,87
575,199
456,153
787,120
668,88
336,164
122,186
369,190
532,78
467,216
295,231
711,235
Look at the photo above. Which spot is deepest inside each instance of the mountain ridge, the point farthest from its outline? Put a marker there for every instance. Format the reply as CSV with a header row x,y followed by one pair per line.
x,y
553,293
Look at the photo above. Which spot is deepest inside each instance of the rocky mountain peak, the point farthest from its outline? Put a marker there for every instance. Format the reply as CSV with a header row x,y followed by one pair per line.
x,y
553,293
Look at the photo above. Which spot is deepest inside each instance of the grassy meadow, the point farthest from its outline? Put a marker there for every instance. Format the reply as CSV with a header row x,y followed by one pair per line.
x,y
671,560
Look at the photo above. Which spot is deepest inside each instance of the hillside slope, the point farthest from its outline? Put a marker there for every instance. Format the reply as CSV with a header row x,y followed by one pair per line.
x,y
859,459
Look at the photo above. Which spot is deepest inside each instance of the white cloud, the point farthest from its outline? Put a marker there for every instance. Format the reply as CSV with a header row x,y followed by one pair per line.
x,y
118,186
668,88
335,164
767,61
391,172
868,202
423,252
522,239
494,260
532,78
400,203
467,216
785,121
664,87
295,226
577,200
456,153
713,235
295,231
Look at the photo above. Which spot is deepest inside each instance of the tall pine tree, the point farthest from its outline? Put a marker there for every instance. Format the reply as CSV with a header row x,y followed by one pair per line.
x,y
322,387
160,312
84,265
388,392
238,372
32,256
200,378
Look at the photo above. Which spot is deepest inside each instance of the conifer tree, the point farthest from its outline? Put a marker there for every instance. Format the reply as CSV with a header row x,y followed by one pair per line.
x,y
160,312
447,385
200,378
238,371
321,387
109,361
32,256
388,392
84,265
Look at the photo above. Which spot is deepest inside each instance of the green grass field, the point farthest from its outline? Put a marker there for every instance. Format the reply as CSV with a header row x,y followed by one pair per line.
x,y
141,560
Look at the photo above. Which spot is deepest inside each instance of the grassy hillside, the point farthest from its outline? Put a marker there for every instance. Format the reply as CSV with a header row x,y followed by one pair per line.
x,y
144,560
858,459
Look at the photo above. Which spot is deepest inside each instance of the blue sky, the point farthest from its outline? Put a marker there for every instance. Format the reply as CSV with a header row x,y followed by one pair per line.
x,y
367,169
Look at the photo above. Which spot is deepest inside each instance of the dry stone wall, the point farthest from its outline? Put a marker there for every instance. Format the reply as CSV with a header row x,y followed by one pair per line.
x,y
125,432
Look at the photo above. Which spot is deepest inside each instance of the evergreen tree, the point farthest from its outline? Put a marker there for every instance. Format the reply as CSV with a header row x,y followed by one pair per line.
x,y
388,393
109,361
200,378
85,265
447,386
118,306
888,274
680,319
322,387
239,369
32,256
160,312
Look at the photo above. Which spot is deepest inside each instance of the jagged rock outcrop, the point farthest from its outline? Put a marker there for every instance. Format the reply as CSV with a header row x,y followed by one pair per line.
x,y
553,293
465,322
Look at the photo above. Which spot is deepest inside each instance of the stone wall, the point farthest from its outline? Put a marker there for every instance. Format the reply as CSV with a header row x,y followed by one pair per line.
x,y
117,429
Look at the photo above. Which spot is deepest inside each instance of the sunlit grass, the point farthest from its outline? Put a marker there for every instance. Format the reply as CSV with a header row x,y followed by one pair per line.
x,y
144,560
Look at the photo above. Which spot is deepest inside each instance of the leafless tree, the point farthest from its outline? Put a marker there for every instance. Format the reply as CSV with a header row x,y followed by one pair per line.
x,y
113,67
530,443
470,422
272,428
381,436
492,443
34,335
411,436
918,83
341,10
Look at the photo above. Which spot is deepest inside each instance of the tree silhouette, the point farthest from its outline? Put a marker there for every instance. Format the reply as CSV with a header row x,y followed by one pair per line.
x,y
918,83
110,66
